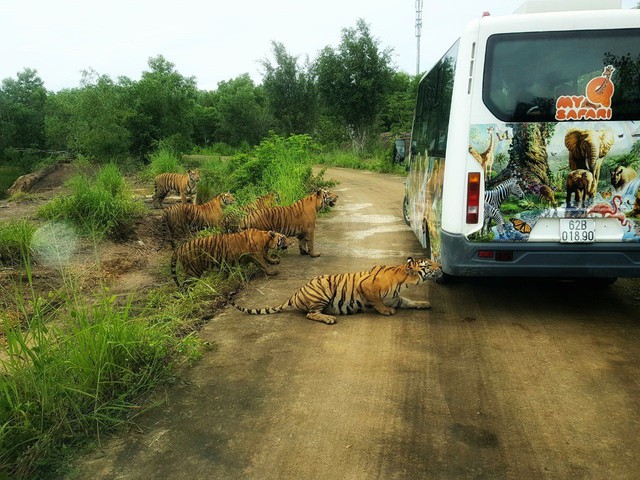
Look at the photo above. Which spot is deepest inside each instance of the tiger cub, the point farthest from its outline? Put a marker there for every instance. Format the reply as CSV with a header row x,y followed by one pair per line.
x,y
297,220
183,218
184,184
231,220
214,251
328,295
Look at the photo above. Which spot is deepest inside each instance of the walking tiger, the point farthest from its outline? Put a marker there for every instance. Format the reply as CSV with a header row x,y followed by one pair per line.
x,y
183,184
297,220
184,218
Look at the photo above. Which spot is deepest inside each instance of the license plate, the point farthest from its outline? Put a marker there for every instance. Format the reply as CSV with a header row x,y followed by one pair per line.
x,y
578,230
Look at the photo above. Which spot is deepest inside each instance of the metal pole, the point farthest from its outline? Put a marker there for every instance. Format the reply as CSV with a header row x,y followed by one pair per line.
x,y
418,31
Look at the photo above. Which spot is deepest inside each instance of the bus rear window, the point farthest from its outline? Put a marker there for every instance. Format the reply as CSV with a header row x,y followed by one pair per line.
x,y
545,76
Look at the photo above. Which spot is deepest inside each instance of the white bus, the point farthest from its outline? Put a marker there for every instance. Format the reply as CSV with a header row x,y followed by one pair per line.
x,y
525,147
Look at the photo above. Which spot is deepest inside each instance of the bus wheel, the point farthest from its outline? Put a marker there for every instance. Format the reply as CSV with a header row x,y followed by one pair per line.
x,y
405,211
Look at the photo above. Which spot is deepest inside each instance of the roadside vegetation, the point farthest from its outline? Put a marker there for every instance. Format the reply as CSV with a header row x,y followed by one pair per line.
x,y
76,360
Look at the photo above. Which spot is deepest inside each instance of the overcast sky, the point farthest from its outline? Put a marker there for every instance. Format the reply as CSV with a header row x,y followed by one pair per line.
x,y
214,40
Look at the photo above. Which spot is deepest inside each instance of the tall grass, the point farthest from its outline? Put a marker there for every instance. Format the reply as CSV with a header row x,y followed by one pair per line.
x,y
377,161
15,241
8,175
60,385
98,206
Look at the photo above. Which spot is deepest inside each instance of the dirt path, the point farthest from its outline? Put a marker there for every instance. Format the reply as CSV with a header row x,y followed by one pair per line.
x,y
500,380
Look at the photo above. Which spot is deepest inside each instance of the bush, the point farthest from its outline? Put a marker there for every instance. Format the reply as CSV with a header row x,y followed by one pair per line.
x,y
15,241
97,207
60,386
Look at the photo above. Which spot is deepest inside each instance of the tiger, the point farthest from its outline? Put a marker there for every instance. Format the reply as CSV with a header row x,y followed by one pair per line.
x,y
201,254
183,218
184,184
297,220
325,296
232,219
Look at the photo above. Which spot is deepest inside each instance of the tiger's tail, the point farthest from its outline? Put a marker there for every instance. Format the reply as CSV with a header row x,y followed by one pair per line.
x,y
262,311
174,261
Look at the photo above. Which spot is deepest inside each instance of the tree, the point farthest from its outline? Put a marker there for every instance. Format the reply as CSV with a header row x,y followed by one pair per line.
x,y
353,81
397,111
90,120
22,114
243,111
163,103
290,92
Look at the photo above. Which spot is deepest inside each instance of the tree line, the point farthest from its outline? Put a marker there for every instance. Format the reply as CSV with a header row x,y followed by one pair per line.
x,y
348,94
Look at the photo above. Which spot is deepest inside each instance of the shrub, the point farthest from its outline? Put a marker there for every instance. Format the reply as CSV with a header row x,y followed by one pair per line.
x,y
15,241
98,207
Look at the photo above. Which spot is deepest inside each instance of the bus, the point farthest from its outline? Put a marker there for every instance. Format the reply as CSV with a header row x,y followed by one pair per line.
x,y
524,157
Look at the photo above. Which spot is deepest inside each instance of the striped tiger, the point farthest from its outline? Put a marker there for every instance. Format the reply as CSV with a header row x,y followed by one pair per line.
x,y
201,254
184,184
182,219
325,296
297,220
231,220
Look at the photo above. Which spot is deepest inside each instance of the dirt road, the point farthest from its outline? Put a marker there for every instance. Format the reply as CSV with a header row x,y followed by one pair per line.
x,y
512,379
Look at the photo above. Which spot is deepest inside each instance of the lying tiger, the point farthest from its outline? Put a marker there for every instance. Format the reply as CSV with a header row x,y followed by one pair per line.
x,y
231,220
183,184
184,218
214,251
347,293
297,220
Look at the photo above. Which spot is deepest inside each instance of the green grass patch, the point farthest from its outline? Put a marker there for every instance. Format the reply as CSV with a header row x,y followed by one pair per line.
x,y
15,241
98,206
8,175
378,161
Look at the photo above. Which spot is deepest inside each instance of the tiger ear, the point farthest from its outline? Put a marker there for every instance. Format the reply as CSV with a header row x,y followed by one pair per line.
x,y
272,234
409,260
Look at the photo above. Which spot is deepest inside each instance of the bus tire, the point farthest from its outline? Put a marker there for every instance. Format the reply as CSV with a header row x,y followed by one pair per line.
x,y
405,211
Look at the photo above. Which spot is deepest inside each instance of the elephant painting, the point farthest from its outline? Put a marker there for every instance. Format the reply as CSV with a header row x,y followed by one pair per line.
x,y
587,148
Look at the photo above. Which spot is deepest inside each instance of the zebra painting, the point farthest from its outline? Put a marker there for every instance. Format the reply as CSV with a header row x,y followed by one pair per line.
x,y
493,199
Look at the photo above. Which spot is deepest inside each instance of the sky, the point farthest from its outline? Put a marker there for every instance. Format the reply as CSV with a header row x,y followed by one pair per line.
x,y
215,40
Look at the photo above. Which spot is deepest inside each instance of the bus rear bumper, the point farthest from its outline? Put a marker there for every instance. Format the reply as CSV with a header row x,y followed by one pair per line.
x,y
543,259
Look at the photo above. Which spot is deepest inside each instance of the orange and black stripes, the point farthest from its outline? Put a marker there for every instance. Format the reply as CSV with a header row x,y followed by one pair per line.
x,y
183,184
213,251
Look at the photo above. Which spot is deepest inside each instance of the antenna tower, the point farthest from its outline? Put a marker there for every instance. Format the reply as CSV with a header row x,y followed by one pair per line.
x,y
418,31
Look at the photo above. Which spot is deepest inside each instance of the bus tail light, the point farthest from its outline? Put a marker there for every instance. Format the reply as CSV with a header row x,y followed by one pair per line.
x,y
473,197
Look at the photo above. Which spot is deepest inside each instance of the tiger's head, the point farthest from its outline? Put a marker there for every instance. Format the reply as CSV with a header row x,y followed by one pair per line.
x,y
423,269
227,198
194,176
277,241
328,198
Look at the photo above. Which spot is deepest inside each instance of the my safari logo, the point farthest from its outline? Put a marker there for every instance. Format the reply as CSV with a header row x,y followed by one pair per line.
x,y
594,105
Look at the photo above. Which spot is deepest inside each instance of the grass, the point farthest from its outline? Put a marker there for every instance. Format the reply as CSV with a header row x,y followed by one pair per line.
x,y
377,161
8,175
99,206
15,241
81,365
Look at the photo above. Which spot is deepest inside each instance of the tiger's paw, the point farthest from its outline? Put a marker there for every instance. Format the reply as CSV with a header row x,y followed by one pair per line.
x,y
423,305
314,255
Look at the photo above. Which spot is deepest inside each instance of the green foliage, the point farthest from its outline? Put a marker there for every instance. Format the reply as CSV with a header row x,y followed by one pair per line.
x,y
243,111
15,241
97,206
61,385
353,81
291,93
379,161
8,175
163,161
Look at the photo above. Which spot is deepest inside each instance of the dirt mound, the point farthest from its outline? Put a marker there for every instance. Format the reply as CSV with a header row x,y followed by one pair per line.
x,y
45,179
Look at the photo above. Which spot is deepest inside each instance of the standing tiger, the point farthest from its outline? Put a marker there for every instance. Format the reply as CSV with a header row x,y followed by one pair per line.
x,y
328,295
183,218
183,184
297,220
231,220
214,251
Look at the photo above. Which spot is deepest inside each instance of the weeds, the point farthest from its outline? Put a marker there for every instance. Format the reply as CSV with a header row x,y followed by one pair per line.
x,y
100,206
15,241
